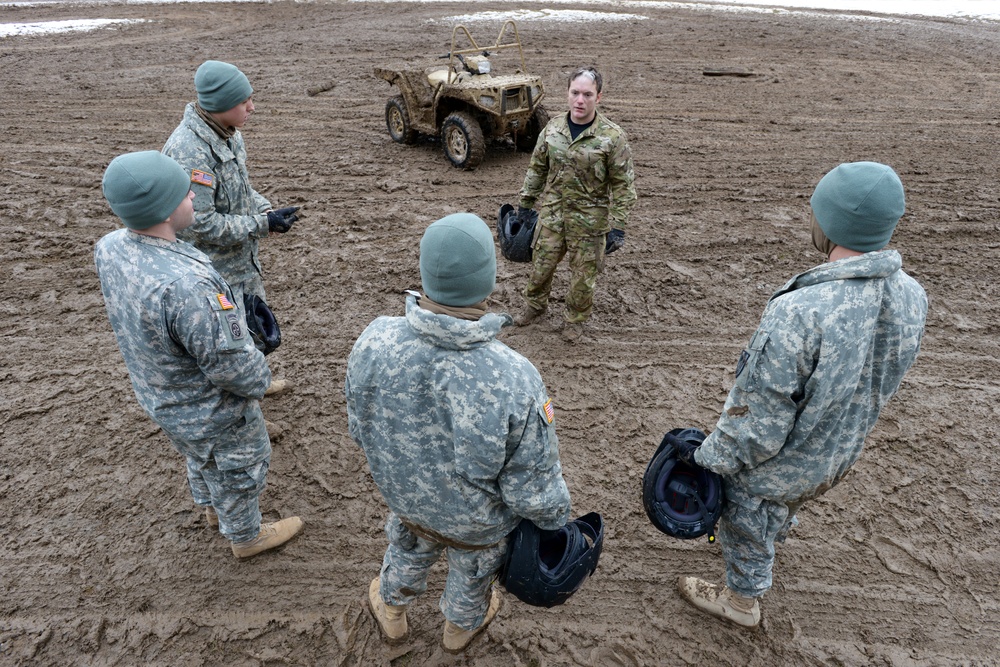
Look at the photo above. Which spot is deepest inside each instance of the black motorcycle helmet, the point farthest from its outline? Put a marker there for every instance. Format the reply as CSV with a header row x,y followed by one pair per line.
x,y
682,500
262,325
515,235
545,567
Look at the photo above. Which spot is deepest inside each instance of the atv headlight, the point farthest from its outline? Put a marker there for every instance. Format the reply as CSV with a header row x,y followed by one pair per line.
x,y
487,100
477,64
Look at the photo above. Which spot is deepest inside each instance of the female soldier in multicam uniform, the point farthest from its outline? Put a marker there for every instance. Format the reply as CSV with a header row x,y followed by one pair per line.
x,y
583,163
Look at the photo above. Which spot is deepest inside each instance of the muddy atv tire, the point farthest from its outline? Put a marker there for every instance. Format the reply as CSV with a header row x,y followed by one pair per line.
x,y
526,140
462,140
397,121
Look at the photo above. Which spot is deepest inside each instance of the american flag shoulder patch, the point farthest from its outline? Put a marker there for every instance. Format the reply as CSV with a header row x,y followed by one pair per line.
x,y
550,412
200,177
228,305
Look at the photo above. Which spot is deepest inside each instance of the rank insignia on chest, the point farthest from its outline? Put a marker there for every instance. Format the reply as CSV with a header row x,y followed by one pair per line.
x,y
550,412
224,302
200,177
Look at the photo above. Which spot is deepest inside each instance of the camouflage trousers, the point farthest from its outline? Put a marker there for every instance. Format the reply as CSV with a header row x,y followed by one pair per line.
x,y
471,573
235,495
586,260
748,530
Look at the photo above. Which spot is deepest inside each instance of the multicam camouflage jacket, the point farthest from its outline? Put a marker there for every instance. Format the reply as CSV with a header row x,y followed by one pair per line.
x,y
588,183
230,214
457,427
831,350
192,363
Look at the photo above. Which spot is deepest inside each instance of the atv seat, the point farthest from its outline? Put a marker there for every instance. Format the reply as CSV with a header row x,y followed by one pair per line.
x,y
443,75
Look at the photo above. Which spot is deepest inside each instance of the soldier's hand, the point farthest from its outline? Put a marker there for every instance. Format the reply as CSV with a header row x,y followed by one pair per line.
x,y
281,220
523,215
685,451
614,241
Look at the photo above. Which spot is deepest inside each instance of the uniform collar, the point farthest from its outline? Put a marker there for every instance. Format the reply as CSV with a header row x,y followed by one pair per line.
x,y
178,246
206,133
598,121
879,264
451,332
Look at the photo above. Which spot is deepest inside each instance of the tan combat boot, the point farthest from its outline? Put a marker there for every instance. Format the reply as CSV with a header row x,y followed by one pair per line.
x,y
527,315
277,387
390,618
720,601
271,535
211,517
456,639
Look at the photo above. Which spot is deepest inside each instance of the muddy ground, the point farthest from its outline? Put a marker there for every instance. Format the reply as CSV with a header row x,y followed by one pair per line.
x,y
103,560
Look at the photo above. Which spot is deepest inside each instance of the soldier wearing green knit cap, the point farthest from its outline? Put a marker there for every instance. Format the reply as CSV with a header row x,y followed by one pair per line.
x,y
459,433
831,349
183,336
231,217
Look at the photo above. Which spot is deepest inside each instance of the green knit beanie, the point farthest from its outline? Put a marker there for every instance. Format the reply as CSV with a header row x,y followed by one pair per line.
x,y
858,204
221,86
144,188
458,263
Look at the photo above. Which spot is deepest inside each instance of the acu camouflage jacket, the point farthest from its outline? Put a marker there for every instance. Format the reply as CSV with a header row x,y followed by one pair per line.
x,y
229,213
830,351
192,364
457,427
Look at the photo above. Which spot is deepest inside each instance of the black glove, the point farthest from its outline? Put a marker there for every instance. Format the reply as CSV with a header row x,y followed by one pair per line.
x,y
686,453
280,221
524,215
685,449
614,241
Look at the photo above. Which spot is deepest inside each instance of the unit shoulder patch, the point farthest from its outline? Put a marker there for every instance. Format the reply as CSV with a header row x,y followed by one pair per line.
x,y
235,323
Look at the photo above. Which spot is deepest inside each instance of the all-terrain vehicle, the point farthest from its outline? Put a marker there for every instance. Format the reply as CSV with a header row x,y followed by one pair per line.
x,y
465,101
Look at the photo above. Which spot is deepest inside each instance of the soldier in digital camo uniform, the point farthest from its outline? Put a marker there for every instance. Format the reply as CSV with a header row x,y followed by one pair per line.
x,y
459,435
230,216
831,349
186,348
583,163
